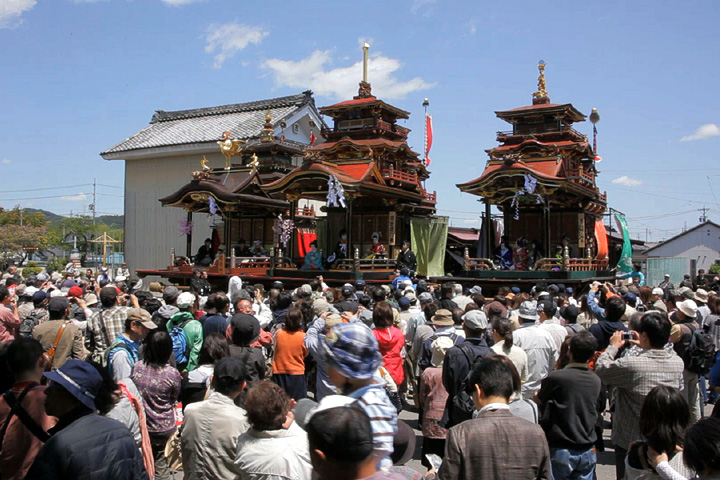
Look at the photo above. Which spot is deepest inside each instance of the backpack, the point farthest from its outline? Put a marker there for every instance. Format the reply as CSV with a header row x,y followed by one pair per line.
x,y
699,356
28,323
462,401
426,353
181,348
106,353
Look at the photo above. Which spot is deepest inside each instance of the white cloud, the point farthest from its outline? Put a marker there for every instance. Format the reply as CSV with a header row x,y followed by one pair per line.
x,y
472,27
10,11
176,3
75,198
342,82
230,38
626,181
703,133
424,7
5,161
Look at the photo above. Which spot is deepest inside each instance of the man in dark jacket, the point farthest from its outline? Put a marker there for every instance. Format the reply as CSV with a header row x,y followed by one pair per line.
x,y
459,361
569,401
518,449
406,258
609,322
83,445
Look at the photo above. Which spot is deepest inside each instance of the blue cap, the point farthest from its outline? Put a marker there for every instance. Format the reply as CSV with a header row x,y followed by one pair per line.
x,y
351,349
515,290
80,379
39,296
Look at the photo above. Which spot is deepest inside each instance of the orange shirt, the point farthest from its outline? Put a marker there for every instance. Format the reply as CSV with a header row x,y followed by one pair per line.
x,y
290,352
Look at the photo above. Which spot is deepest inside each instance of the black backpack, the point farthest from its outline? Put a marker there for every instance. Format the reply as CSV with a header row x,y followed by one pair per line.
x,y
699,356
462,402
29,322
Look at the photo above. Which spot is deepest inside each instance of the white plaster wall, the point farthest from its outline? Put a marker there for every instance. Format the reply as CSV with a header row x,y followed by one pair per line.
x,y
701,245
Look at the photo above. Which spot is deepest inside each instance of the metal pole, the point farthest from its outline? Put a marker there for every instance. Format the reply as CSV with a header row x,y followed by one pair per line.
x,y
188,239
365,62
94,199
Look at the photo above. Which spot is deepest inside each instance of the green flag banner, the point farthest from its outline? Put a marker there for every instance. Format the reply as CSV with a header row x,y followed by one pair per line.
x,y
429,237
625,262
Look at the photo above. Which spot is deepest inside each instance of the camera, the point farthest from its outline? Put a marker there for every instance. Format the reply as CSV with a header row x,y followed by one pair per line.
x,y
627,336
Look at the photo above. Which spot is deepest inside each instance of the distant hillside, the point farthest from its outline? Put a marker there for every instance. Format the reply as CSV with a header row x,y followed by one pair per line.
x,y
113,221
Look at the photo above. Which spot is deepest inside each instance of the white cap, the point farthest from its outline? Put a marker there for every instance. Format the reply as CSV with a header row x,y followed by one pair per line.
x,y
658,291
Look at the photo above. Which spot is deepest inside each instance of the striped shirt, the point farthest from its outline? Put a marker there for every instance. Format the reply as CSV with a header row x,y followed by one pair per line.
x,y
383,418
634,376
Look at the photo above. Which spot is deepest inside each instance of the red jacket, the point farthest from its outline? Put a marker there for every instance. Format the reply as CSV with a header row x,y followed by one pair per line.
x,y
392,341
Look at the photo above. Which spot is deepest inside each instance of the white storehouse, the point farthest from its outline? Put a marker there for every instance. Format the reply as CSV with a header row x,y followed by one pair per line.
x,y
161,157
700,245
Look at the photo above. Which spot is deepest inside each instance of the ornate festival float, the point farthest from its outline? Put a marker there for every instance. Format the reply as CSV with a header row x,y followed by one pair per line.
x,y
541,178
342,211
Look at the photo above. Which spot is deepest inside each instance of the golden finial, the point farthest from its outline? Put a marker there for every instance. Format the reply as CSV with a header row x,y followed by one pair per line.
x,y
255,162
268,132
542,90
203,163
229,147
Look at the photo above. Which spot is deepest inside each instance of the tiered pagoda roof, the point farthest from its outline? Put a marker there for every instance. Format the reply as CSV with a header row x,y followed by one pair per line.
x,y
367,151
263,160
544,145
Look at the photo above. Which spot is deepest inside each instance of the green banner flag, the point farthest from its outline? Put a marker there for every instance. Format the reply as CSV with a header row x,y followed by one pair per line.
x,y
625,262
429,238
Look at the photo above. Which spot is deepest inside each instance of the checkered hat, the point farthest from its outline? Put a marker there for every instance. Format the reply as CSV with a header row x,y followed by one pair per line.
x,y
352,349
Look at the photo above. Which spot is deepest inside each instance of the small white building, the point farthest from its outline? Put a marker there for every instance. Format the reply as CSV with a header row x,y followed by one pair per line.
x,y
161,157
700,245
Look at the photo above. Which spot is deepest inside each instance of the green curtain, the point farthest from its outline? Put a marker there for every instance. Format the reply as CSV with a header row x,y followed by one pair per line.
x,y
625,262
321,229
429,238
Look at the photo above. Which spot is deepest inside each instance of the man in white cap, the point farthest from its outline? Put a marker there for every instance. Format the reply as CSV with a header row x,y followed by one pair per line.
x,y
538,344
701,299
684,321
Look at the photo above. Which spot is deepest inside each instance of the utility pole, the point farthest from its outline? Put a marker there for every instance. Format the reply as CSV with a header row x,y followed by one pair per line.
x,y
94,199
703,217
21,216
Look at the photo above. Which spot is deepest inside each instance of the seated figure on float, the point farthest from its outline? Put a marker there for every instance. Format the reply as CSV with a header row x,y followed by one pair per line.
x,y
520,255
378,249
504,255
313,259
257,249
340,252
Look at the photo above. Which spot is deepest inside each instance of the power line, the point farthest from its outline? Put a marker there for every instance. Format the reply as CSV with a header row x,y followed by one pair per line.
x,y
41,198
42,189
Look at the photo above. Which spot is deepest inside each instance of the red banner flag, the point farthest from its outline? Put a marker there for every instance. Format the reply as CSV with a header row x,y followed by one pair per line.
x,y
428,138
312,138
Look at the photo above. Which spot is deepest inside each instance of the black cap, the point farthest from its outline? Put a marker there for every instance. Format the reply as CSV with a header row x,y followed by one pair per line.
x,y
278,286
569,313
245,329
57,304
360,284
229,370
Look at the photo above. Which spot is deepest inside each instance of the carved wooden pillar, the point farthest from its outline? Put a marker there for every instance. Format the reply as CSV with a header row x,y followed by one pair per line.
x,y
188,237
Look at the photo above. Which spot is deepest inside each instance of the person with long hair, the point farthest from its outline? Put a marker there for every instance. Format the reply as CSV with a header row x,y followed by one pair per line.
x,y
290,352
390,340
159,384
195,384
503,336
701,452
586,317
664,417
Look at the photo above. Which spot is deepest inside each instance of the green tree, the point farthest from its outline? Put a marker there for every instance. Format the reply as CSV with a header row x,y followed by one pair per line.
x,y
61,233
20,233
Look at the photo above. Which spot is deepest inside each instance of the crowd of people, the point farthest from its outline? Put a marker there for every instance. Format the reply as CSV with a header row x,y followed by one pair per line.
x,y
108,378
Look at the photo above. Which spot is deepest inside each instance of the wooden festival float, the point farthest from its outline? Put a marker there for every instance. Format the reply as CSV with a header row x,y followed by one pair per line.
x,y
542,180
364,171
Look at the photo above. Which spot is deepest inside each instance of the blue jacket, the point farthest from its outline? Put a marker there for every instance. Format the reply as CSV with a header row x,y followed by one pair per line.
x,y
87,446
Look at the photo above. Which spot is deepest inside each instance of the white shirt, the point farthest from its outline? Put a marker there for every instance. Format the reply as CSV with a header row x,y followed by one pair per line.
x,y
210,437
542,353
274,455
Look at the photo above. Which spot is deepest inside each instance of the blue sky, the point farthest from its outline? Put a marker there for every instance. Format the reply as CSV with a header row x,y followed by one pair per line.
x,y
79,76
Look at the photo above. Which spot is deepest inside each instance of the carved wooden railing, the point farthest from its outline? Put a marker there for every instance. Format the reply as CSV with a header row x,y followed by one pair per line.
x,y
400,176
366,264
571,264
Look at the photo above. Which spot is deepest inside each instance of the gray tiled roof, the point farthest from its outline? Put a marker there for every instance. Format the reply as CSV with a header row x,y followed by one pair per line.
x,y
202,125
